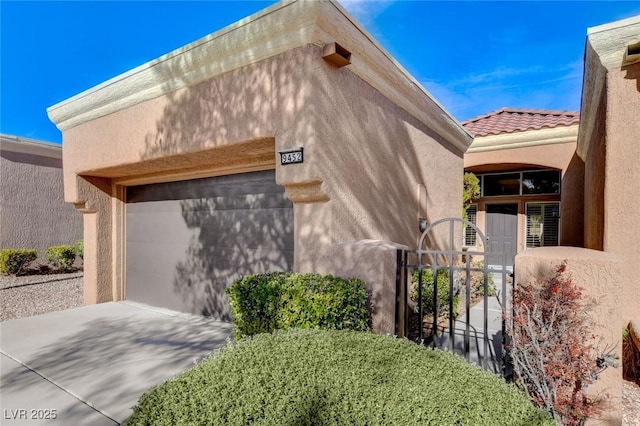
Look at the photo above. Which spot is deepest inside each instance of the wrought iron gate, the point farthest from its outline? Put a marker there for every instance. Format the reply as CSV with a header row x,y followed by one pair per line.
x,y
478,330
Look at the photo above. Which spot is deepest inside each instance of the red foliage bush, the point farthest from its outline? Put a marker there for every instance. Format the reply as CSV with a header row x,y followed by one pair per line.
x,y
553,348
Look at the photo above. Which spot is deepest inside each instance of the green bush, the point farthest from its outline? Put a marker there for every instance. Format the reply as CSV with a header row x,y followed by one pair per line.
x,y
79,246
262,303
317,377
427,292
476,281
61,257
15,261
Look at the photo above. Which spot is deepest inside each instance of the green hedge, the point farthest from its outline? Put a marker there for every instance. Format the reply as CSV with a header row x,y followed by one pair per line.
x,y
317,377
262,303
61,257
15,261
427,292
79,246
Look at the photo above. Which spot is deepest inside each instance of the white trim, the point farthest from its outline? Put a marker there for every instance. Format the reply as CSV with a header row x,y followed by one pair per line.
x,y
270,32
605,49
610,41
529,138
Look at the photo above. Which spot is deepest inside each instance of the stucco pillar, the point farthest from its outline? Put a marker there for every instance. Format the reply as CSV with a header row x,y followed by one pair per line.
x,y
96,203
600,276
376,263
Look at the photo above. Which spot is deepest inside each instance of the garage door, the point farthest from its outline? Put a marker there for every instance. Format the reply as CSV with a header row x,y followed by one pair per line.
x,y
187,241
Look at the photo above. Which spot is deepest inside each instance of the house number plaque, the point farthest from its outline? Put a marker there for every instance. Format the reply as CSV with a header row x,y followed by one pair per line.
x,y
291,156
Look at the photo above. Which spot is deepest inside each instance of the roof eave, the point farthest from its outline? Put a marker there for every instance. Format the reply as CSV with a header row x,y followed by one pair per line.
x,y
524,139
251,40
604,50
22,145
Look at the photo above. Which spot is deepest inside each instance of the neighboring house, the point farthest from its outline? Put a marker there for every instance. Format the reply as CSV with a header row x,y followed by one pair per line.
x,y
180,165
608,267
609,145
33,212
531,180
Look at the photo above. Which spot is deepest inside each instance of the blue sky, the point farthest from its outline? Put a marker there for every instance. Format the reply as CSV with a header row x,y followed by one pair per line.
x,y
473,56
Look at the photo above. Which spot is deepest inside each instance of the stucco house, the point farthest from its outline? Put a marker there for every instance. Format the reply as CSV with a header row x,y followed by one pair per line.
x,y
33,213
531,180
290,140
608,145
608,266
560,187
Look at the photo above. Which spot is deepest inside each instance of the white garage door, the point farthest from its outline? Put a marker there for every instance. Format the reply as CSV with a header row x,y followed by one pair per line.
x,y
187,241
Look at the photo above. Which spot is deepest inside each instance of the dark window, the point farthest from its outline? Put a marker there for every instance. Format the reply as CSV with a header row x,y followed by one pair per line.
x,y
542,182
501,184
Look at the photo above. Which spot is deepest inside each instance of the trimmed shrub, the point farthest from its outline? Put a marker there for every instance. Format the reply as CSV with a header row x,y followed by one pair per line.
x,y
79,246
476,287
262,303
256,301
318,377
477,281
15,261
427,292
61,257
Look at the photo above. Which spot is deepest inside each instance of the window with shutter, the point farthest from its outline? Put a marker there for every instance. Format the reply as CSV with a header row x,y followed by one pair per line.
x,y
469,232
542,224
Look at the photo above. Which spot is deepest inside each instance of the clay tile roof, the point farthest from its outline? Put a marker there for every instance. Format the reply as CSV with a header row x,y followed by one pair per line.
x,y
510,120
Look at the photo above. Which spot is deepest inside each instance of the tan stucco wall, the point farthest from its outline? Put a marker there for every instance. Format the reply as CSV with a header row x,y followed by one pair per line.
x,y
601,277
372,157
33,213
376,263
608,144
559,156
594,181
556,156
364,159
622,172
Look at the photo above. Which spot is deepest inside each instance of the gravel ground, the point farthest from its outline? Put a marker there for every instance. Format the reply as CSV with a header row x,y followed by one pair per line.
x,y
38,294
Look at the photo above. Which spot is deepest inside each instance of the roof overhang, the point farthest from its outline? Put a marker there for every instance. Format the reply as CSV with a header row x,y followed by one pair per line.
x,y
20,145
555,135
607,48
272,31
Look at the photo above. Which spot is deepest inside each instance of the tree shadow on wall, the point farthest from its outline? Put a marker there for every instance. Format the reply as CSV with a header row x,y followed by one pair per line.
x,y
346,125
247,231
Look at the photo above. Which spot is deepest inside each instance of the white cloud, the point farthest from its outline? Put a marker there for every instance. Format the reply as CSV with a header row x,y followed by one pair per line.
x,y
535,87
365,11
498,74
454,101
518,77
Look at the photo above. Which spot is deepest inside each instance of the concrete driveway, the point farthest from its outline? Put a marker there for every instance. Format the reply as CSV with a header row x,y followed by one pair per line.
x,y
89,365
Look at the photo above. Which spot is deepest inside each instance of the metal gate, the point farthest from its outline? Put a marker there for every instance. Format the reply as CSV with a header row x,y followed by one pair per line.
x,y
433,283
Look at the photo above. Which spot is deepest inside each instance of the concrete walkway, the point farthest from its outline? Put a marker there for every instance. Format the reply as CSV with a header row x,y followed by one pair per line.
x,y
89,365
477,334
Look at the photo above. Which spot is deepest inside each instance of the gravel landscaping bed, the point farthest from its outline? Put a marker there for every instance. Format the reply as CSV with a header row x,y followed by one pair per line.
x,y
30,295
